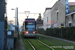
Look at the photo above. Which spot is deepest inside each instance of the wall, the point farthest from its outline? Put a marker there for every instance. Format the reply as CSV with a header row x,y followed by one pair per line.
x,y
71,20
47,14
58,6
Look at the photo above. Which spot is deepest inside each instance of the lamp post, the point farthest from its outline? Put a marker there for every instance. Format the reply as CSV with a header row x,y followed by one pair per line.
x,y
16,19
16,22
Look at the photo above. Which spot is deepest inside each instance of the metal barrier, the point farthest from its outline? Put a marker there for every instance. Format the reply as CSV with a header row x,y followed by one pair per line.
x,y
10,39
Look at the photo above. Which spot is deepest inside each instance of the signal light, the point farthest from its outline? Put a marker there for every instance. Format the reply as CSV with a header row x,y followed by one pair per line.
x,y
62,25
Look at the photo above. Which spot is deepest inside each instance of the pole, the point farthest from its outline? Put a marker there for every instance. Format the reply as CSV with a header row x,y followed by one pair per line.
x,y
2,4
62,25
61,33
5,33
16,19
27,17
16,22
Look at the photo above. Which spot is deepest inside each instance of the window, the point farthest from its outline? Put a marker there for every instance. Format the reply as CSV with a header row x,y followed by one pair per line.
x,y
57,15
47,19
30,25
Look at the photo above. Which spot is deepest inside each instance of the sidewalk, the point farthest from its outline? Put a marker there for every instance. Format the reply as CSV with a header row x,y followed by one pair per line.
x,y
19,44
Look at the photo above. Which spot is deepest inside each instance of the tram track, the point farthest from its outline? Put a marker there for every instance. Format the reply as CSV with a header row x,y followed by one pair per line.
x,y
38,42
44,44
31,45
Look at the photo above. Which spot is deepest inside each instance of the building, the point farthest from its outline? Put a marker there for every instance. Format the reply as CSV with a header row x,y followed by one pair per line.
x,y
47,18
62,12
55,16
70,16
58,13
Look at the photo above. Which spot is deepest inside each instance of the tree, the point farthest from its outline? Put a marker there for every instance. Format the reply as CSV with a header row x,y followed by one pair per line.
x,y
39,17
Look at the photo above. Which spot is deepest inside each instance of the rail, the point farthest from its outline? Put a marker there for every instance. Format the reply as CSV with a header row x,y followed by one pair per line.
x,y
44,44
31,45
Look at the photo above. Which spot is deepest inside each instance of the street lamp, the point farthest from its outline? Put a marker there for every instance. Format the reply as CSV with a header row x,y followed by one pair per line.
x,y
16,19
16,16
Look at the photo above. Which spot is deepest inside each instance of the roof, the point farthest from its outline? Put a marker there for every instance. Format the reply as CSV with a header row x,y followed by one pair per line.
x,y
71,3
30,19
47,9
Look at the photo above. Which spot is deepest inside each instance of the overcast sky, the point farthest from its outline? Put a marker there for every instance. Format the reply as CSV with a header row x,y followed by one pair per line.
x,y
34,6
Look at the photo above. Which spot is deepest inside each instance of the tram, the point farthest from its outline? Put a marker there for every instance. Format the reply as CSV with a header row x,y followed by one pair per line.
x,y
29,26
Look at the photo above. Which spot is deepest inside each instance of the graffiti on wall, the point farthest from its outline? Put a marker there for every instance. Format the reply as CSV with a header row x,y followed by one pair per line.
x,y
72,9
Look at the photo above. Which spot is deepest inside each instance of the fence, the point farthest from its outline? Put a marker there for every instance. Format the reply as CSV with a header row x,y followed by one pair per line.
x,y
67,33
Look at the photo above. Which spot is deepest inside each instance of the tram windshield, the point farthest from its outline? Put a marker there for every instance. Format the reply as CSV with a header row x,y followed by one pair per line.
x,y
30,26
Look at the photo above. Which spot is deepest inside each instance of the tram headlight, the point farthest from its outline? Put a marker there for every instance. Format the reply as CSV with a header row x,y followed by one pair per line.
x,y
26,32
34,31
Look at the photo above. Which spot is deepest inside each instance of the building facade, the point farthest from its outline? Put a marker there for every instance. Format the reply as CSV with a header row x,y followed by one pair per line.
x,y
58,14
70,16
47,18
62,12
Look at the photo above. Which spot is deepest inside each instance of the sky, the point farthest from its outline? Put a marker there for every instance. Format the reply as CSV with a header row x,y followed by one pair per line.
x,y
34,6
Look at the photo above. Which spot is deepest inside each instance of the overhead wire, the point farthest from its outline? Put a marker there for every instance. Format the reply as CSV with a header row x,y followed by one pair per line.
x,y
46,5
40,9
30,4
